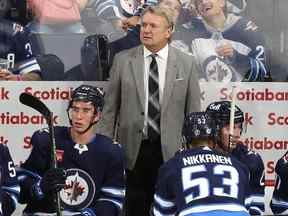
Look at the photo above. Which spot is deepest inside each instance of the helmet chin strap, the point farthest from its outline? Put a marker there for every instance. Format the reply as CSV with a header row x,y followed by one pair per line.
x,y
90,125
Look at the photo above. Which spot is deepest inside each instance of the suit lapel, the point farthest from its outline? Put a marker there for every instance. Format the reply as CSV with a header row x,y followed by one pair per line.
x,y
137,62
171,72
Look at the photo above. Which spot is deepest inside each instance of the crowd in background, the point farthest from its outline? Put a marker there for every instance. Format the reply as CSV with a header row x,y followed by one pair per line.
x,y
119,19
177,43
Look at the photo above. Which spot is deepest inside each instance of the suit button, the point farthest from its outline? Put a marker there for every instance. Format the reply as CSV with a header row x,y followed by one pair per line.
x,y
139,131
142,113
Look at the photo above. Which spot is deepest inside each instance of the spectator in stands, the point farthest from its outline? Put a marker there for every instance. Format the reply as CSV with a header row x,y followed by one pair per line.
x,y
107,10
175,5
227,47
39,25
15,47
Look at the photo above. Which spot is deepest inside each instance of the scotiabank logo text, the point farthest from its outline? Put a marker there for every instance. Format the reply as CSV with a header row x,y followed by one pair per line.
x,y
255,95
265,143
23,119
50,94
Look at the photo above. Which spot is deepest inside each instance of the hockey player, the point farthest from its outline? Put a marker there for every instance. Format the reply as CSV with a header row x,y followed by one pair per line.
x,y
279,202
221,112
15,46
90,173
200,180
9,187
227,47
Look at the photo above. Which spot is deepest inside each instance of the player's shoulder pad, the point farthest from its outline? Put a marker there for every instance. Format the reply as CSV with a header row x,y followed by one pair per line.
x,y
178,152
254,161
248,25
282,165
42,131
3,149
106,144
170,168
248,157
57,129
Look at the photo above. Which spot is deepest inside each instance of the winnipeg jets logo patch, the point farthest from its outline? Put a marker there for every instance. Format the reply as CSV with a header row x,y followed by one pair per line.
x,y
79,190
216,70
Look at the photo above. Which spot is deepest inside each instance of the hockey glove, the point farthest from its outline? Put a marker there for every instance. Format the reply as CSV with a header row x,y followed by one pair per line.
x,y
53,180
8,204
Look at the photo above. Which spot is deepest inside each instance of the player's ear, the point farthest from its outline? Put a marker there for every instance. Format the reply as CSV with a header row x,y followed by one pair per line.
x,y
97,116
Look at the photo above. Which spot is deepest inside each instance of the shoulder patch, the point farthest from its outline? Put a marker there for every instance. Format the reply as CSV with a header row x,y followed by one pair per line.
x,y
17,28
251,26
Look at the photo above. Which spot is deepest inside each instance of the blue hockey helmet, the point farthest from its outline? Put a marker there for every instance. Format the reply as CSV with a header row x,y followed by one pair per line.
x,y
220,111
89,93
198,125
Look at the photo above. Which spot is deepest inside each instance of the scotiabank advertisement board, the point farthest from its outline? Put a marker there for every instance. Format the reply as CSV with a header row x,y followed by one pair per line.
x,y
264,105
266,116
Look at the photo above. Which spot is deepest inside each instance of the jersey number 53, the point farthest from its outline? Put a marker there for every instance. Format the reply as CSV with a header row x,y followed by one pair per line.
x,y
203,186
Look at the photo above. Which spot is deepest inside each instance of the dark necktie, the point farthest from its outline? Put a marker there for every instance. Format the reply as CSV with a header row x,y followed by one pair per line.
x,y
153,101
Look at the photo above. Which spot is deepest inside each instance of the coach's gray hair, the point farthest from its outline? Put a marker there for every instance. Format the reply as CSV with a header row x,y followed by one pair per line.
x,y
165,12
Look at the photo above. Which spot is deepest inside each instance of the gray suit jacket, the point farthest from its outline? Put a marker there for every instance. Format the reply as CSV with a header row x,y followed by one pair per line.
x,y
124,99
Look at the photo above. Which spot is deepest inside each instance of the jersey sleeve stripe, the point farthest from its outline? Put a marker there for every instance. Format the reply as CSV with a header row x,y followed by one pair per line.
x,y
118,204
14,189
114,192
29,68
162,202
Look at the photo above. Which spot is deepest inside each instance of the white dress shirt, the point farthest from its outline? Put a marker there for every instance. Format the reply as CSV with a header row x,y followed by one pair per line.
x,y
161,59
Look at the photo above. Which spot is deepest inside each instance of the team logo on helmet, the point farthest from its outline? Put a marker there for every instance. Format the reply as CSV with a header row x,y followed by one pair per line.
x,y
79,190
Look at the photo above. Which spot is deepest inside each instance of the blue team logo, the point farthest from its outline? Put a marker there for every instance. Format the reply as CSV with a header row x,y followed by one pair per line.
x,y
79,190
216,70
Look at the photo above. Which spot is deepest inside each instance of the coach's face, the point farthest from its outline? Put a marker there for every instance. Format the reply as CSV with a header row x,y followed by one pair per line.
x,y
155,32
210,8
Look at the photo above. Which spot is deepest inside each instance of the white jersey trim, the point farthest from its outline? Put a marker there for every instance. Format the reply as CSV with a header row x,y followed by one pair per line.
x,y
215,207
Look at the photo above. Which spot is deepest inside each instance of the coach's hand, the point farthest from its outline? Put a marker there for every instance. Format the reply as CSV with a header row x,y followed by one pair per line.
x,y
53,180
